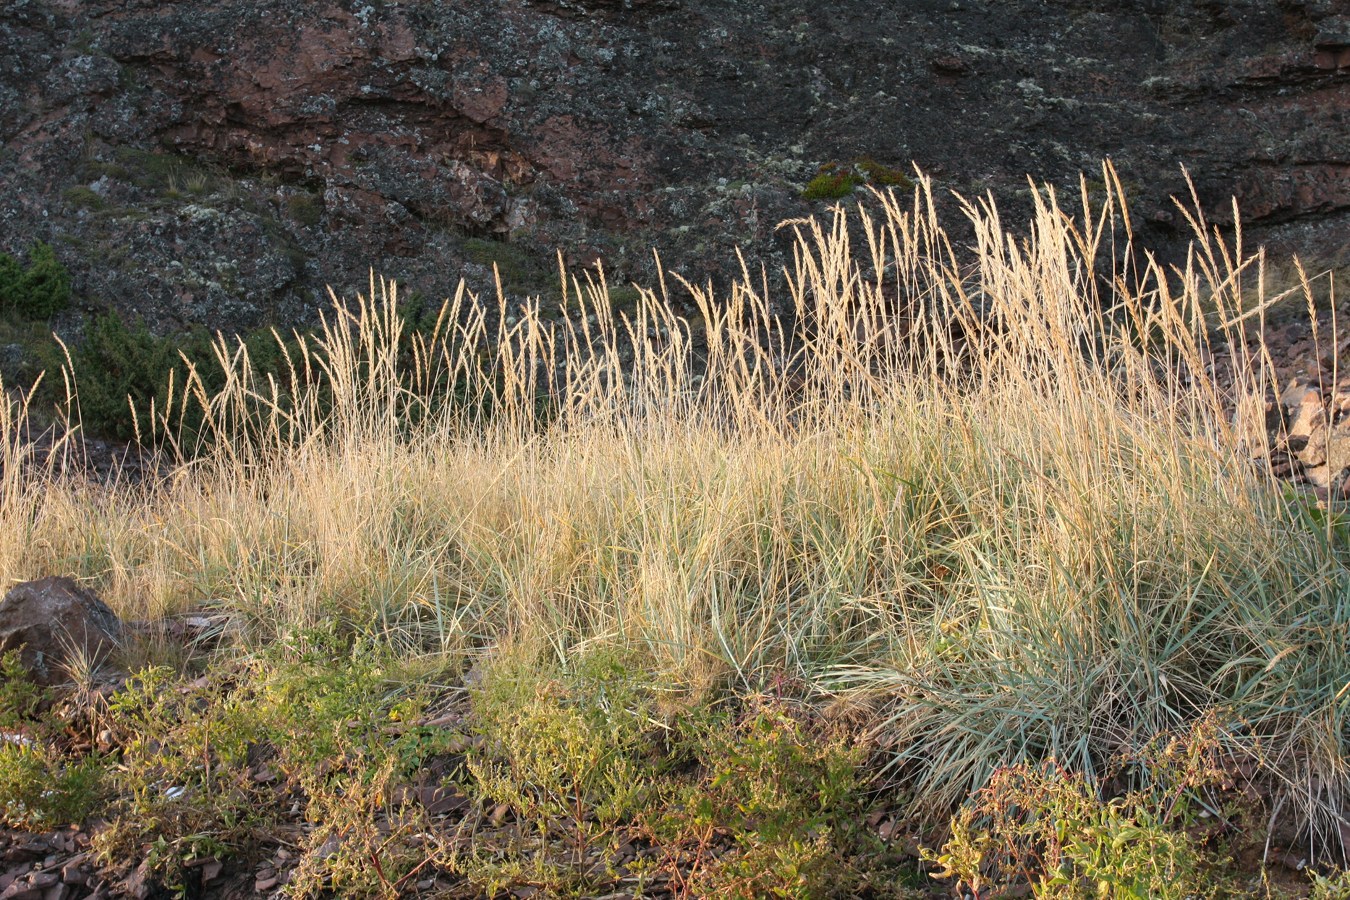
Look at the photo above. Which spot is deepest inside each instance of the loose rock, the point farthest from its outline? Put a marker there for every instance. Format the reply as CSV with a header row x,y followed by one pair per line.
x,y
55,623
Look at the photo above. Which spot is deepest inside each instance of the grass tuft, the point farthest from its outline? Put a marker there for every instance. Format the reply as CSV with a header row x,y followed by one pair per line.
x,y
991,498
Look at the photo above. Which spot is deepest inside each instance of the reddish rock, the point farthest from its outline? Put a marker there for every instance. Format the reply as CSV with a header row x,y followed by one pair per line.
x,y
950,65
1294,191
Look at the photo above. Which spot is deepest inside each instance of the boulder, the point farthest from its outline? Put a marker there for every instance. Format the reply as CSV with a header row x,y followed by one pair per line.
x,y
52,618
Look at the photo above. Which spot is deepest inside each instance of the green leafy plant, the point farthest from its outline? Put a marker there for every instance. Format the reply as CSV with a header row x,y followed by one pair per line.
x,y
20,696
343,721
40,789
183,781
1049,828
1331,886
322,723
773,810
568,748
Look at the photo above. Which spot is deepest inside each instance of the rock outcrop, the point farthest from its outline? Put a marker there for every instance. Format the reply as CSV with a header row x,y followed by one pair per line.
x,y
51,619
220,162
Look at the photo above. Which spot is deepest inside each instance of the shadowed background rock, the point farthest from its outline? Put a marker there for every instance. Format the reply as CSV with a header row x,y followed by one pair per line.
x,y
221,162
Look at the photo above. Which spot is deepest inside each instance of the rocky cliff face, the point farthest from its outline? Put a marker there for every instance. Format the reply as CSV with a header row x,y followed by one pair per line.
x,y
221,162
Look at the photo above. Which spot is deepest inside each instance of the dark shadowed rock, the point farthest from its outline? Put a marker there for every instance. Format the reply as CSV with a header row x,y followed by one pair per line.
x,y
52,617
222,162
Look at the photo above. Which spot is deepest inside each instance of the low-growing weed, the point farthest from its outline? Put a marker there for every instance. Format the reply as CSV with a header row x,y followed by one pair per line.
x,y
573,748
39,786
321,726
40,789
772,811
20,696
764,803
1049,828
1331,886
343,722
183,779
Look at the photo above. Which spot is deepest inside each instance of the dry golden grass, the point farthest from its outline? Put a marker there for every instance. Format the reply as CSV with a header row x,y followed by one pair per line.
x,y
992,492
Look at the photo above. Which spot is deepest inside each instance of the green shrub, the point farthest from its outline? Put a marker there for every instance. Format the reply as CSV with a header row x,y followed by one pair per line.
x,y
11,281
39,291
124,371
120,368
46,284
520,272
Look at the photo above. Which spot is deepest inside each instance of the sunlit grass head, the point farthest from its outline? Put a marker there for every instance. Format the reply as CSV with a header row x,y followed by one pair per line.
x,y
993,493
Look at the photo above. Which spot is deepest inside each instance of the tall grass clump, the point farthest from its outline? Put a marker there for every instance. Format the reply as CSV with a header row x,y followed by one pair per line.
x,y
989,490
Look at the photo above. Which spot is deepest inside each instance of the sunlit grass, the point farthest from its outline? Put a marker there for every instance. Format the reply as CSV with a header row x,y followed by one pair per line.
x,y
991,494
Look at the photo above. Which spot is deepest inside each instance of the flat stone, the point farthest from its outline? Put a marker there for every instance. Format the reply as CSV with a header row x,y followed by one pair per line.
x,y
73,871
440,801
1319,476
21,890
1299,393
1333,34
